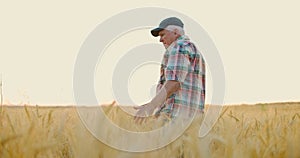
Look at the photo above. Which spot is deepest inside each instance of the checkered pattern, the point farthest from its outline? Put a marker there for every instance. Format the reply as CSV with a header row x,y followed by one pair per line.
x,y
182,62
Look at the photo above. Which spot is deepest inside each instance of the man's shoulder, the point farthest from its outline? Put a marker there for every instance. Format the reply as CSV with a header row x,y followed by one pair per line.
x,y
184,43
187,44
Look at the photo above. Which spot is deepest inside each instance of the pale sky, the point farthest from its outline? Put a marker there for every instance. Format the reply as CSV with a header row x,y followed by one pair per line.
x,y
258,42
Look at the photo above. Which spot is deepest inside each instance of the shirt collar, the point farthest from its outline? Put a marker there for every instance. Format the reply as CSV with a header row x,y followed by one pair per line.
x,y
181,38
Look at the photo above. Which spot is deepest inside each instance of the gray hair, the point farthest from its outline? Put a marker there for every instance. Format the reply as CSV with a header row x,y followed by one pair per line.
x,y
176,29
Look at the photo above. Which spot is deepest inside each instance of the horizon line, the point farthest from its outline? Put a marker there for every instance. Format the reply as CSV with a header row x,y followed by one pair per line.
x,y
114,104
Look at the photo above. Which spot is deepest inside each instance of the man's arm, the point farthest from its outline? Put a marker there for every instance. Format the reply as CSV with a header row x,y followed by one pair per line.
x,y
166,91
147,109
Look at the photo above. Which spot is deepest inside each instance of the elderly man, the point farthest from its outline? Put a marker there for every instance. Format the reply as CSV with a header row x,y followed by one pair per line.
x,y
182,77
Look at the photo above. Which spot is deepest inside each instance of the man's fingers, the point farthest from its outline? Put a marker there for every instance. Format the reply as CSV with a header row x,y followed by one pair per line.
x,y
138,120
141,120
141,114
137,107
138,115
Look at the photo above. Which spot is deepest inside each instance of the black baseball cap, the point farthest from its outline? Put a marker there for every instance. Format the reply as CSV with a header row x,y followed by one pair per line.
x,y
163,24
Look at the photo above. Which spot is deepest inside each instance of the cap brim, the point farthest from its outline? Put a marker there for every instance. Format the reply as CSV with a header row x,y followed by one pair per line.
x,y
155,31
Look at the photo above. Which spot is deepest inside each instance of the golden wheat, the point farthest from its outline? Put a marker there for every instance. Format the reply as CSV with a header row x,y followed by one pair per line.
x,y
262,130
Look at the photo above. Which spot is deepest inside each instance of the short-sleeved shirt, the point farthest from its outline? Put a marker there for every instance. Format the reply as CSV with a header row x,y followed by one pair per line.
x,y
182,62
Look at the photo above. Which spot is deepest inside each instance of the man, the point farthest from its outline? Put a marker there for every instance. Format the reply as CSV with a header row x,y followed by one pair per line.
x,y
182,78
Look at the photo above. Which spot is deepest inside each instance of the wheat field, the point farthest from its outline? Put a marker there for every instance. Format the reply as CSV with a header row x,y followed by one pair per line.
x,y
250,131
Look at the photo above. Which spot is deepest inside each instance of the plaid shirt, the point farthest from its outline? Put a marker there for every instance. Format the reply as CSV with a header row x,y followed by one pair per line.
x,y
182,62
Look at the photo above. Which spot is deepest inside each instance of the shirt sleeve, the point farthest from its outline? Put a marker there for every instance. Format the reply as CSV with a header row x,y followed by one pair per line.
x,y
178,64
203,79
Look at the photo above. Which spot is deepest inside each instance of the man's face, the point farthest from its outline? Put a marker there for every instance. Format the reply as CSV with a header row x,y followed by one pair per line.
x,y
167,37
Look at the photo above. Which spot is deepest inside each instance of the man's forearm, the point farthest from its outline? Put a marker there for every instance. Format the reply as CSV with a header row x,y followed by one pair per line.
x,y
167,90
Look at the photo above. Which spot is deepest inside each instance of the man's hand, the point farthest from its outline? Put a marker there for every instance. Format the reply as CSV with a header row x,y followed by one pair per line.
x,y
164,92
143,112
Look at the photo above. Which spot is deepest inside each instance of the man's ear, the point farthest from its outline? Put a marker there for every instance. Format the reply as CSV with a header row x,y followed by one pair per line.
x,y
176,32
